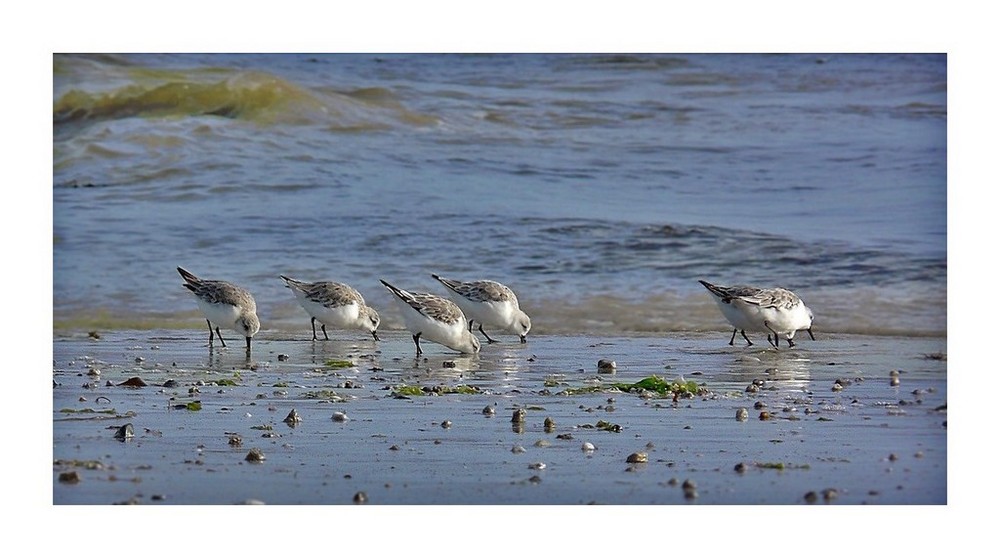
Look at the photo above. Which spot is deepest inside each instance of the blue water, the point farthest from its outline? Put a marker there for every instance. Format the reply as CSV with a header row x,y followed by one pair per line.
x,y
599,187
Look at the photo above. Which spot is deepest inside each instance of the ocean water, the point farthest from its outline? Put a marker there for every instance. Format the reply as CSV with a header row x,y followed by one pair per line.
x,y
599,187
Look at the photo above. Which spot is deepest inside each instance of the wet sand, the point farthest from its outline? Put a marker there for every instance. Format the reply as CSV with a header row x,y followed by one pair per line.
x,y
859,441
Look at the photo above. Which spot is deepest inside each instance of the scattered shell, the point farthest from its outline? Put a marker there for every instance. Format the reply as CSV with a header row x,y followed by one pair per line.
x,y
125,432
360,498
517,449
489,410
339,416
69,477
742,414
93,372
537,466
293,418
282,357
830,494
752,389
893,457
446,424
740,468
759,405
637,457
235,440
255,456
549,423
448,364
518,416
587,446
543,444
605,366
836,387
764,415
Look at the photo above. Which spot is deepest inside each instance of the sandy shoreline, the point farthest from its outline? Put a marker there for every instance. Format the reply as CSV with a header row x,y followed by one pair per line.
x,y
861,440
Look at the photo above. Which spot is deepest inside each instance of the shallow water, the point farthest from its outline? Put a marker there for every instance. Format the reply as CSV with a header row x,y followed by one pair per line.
x,y
601,188
871,442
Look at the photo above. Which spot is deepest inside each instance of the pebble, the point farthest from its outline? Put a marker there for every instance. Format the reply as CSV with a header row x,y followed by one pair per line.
x,y
605,366
446,424
489,410
549,423
360,498
70,477
339,416
759,405
811,497
517,449
637,457
764,415
255,456
235,440
537,466
518,416
587,446
742,414
740,468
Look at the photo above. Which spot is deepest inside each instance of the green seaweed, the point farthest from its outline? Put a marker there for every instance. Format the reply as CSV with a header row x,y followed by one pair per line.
x,y
193,406
655,384
405,390
780,466
337,364
226,382
88,410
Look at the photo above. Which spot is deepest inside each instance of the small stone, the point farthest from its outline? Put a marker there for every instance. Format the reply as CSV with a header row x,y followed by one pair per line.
x,y
489,410
255,456
448,364
742,414
339,416
605,366
830,494
517,449
811,497
637,457
542,444
759,405
752,389
70,477
893,457
446,424
549,423
235,440
740,468
764,415
360,498
282,357
587,446
537,466
518,416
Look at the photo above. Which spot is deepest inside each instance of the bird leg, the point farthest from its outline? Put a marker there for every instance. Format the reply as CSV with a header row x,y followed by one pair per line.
x,y
775,342
325,336
313,322
488,338
416,341
733,338
744,334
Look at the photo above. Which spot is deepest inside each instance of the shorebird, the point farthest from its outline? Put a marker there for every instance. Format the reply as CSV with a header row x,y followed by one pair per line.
x,y
334,304
775,311
436,319
489,303
224,303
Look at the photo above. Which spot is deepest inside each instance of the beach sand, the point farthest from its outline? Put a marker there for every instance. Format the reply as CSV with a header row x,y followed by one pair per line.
x,y
839,431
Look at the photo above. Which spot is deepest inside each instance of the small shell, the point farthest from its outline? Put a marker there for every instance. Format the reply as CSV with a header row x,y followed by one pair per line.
x,y
605,366
742,414
587,446
339,416
255,456
293,418
489,410
518,416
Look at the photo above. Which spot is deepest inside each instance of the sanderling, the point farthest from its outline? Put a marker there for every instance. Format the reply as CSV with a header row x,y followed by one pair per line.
x,y
334,304
224,303
489,303
773,311
435,318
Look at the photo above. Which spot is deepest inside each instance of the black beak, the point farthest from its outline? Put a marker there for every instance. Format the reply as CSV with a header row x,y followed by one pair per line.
x,y
524,339
810,332
375,335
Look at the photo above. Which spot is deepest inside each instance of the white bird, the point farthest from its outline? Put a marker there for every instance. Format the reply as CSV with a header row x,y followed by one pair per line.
x,y
489,303
436,319
335,305
224,303
776,311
